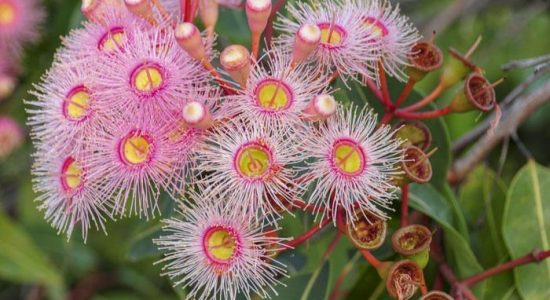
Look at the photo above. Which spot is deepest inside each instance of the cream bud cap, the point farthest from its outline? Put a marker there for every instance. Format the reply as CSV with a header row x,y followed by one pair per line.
x,y
196,115
141,8
257,14
235,60
321,108
189,39
306,41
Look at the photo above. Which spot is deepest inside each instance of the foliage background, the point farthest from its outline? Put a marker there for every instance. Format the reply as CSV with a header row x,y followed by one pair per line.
x,y
487,220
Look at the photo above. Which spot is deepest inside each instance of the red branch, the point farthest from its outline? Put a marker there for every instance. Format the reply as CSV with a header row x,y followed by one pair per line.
x,y
427,100
308,234
535,256
423,115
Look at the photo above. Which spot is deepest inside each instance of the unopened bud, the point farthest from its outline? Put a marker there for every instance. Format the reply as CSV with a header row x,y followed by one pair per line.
x,y
235,60
367,231
320,108
424,57
208,12
196,115
189,39
437,295
140,8
257,14
414,133
403,279
478,94
7,85
306,41
413,242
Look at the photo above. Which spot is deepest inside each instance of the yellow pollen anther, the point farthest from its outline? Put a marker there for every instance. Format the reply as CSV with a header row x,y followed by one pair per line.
x,y
113,40
77,103
253,161
136,149
273,95
71,175
377,29
331,34
147,78
220,244
348,158
7,13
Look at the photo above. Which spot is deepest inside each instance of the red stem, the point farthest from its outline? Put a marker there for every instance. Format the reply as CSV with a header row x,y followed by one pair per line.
x,y
426,100
404,205
308,234
311,208
332,244
269,29
384,86
423,115
371,259
375,90
336,291
406,92
535,256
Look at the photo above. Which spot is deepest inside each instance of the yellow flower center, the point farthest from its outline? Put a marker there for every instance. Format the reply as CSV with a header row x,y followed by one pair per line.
x,y
71,175
253,160
220,244
77,103
112,40
273,95
348,157
377,29
147,78
332,35
7,13
136,149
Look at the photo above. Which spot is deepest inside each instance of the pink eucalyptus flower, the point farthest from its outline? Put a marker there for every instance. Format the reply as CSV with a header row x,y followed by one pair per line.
x,y
353,163
250,166
276,94
218,254
19,20
69,190
345,45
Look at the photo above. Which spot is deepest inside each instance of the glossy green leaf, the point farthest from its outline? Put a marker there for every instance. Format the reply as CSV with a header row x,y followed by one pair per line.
x,y
483,197
23,261
526,226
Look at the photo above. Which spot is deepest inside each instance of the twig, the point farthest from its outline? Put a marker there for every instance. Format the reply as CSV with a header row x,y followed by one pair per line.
x,y
535,256
512,118
526,63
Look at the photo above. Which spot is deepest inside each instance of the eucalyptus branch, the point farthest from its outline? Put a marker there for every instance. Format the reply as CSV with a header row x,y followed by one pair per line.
x,y
511,119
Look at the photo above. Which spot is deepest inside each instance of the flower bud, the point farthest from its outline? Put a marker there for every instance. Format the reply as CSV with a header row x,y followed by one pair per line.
x,y
89,8
196,115
424,57
257,14
208,12
367,231
7,85
414,133
403,279
189,39
140,8
413,242
320,108
436,295
235,60
416,167
306,41
478,94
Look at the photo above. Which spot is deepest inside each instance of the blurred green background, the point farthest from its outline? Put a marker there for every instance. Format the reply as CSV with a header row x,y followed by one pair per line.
x,y
35,262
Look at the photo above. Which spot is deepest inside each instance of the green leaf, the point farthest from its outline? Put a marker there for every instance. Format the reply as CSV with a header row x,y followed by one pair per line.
x,y
526,226
483,197
429,201
310,286
21,260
